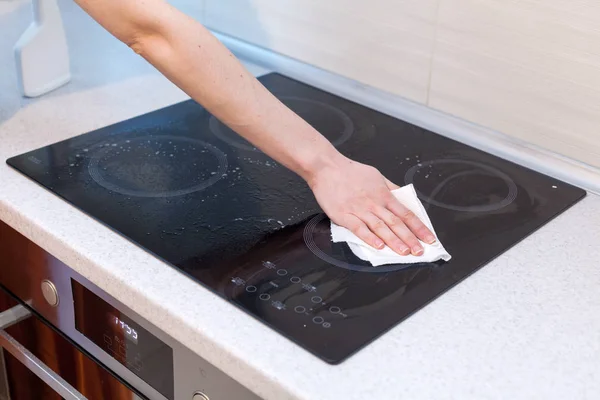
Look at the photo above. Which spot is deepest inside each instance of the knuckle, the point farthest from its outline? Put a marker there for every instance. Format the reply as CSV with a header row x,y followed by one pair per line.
x,y
408,215
379,224
396,221
411,240
370,206
357,228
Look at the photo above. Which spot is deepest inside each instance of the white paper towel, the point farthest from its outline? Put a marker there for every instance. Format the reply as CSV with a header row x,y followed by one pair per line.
x,y
432,252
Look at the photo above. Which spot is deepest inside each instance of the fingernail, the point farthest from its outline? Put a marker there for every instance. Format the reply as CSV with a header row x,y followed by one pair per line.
x,y
417,250
401,249
379,244
430,239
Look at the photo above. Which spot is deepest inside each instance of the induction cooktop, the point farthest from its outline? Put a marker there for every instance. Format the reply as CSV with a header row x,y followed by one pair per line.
x,y
183,186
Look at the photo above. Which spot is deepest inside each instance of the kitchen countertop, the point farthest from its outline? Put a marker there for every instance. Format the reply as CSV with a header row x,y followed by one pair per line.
x,y
525,326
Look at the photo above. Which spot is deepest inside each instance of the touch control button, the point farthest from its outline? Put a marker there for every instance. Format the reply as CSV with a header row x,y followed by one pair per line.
x,y
318,320
300,309
316,299
335,310
200,396
50,293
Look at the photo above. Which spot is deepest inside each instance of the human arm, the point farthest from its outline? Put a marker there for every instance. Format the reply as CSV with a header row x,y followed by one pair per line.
x,y
353,195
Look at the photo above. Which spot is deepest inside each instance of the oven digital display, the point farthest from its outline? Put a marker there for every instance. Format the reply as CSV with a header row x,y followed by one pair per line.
x,y
129,332
122,338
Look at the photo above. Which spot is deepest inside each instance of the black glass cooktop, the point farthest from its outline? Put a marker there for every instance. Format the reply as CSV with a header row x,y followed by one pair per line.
x,y
187,189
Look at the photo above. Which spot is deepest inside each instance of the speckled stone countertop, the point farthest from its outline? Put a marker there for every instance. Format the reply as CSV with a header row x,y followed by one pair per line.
x,y
527,326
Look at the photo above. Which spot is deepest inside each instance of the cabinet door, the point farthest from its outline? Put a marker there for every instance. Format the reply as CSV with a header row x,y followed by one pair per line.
x,y
82,372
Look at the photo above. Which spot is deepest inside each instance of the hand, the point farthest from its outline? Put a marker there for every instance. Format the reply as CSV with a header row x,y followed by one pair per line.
x,y
359,198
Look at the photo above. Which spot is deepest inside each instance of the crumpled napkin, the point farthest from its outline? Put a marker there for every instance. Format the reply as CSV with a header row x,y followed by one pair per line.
x,y
432,252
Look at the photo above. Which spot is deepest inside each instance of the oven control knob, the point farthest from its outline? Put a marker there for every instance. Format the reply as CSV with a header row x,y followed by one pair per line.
x,y
200,396
50,293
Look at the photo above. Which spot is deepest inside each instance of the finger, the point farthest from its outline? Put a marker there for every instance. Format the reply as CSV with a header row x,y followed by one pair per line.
x,y
413,222
362,231
381,229
391,185
400,229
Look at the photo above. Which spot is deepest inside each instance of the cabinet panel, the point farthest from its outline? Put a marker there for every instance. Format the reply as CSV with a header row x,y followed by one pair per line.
x,y
77,368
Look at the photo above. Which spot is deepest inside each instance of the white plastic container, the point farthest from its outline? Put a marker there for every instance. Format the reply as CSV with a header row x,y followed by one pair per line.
x,y
41,53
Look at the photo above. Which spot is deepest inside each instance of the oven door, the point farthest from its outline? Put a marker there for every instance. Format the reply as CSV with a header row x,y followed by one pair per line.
x,y
38,362
83,337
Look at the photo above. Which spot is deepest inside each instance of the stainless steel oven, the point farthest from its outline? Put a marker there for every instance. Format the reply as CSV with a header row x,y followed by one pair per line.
x,y
111,349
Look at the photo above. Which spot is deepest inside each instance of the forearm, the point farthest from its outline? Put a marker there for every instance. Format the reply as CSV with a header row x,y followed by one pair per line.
x,y
192,58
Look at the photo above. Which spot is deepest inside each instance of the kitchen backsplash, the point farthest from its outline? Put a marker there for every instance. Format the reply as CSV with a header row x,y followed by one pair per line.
x,y
527,68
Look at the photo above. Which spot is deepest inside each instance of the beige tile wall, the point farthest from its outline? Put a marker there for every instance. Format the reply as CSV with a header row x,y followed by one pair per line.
x,y
528,68
360,39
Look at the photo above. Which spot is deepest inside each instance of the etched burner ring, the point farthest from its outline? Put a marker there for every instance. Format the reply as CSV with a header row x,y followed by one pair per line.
x,y
511,186
218,128
94,167
309,239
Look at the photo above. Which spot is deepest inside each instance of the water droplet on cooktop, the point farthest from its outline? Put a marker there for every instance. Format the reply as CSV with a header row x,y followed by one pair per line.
x,y
407,158
85,150
114,145
71,165
462,185
140,174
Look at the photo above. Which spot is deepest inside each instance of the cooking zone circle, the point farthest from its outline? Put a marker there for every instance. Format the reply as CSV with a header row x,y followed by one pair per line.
x,y
317,236
330,121
461,185
157,166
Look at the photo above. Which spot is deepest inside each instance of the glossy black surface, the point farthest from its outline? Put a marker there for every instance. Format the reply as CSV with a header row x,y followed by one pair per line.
x,y
127,342
180,184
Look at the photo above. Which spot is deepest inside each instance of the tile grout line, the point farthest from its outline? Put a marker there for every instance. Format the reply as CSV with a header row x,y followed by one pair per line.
x,y
433,48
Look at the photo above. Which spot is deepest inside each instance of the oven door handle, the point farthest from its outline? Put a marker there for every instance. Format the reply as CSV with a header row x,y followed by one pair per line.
x,y
30,361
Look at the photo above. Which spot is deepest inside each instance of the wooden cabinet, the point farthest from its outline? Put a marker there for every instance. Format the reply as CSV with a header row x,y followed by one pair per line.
x,y
77,368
